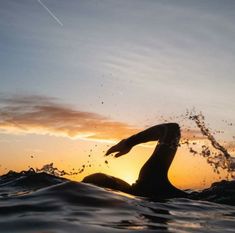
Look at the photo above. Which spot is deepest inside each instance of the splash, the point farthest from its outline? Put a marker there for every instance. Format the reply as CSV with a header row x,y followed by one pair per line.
x,y
220,159
51,170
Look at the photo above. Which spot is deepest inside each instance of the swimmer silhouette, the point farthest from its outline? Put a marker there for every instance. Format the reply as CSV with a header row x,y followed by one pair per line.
x,y
153,177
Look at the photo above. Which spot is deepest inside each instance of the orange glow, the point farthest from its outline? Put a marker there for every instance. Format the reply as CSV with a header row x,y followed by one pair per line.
x,y
24,115
37,132
187,171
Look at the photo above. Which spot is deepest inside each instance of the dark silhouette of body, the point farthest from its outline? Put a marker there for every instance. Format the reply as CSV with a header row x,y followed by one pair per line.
x,y
153,177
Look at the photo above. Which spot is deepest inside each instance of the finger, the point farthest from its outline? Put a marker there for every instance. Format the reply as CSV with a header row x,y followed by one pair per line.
x,y
108,152
111,150
119,154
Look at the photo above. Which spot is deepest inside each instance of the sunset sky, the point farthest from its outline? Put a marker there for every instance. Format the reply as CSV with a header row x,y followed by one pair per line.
x,y
77,76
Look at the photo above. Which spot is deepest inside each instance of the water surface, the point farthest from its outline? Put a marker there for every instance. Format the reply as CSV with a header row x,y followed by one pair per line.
x,y
39,202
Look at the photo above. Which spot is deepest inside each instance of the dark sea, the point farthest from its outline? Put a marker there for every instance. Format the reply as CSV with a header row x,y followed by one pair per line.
x,y
43,203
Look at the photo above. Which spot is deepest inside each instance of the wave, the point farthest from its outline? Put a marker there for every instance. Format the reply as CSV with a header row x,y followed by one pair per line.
x,y
43,202
14,183
39,201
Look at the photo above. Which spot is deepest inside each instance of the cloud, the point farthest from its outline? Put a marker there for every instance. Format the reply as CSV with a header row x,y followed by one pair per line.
x,y
43,115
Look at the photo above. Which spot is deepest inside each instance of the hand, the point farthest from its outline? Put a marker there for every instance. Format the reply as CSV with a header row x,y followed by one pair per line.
x,y
122,148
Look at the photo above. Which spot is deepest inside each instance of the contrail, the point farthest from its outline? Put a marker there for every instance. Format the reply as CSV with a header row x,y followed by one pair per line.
x,y
52,15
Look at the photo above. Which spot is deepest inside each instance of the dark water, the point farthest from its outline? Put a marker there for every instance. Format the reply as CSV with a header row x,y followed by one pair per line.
x,y
39,202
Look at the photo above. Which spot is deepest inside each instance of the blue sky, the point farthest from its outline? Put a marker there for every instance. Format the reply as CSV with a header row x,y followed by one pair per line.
x,y
132,55
130,61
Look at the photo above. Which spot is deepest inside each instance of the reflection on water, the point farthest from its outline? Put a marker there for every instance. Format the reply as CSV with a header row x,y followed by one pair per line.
x,y
31,202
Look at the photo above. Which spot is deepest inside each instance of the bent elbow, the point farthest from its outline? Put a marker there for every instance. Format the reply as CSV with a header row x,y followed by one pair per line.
x,y
173,126
173,129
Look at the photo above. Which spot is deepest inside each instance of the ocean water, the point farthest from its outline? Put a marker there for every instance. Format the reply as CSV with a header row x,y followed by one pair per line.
x,y
44,203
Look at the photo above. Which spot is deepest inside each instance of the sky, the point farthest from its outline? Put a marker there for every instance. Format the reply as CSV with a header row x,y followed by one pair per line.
x,y
77,76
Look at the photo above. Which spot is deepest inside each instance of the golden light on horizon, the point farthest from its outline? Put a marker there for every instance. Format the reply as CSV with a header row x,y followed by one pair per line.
x,y
71,139
187,171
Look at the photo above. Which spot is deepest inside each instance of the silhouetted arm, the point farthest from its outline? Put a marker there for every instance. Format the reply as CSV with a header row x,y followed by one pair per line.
x,y
154,133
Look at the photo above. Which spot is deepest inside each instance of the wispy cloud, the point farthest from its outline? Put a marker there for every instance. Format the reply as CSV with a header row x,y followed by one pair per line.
x,y
43,115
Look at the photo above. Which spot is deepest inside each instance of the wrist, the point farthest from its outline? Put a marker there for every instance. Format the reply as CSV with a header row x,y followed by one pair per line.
x,y
130,142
